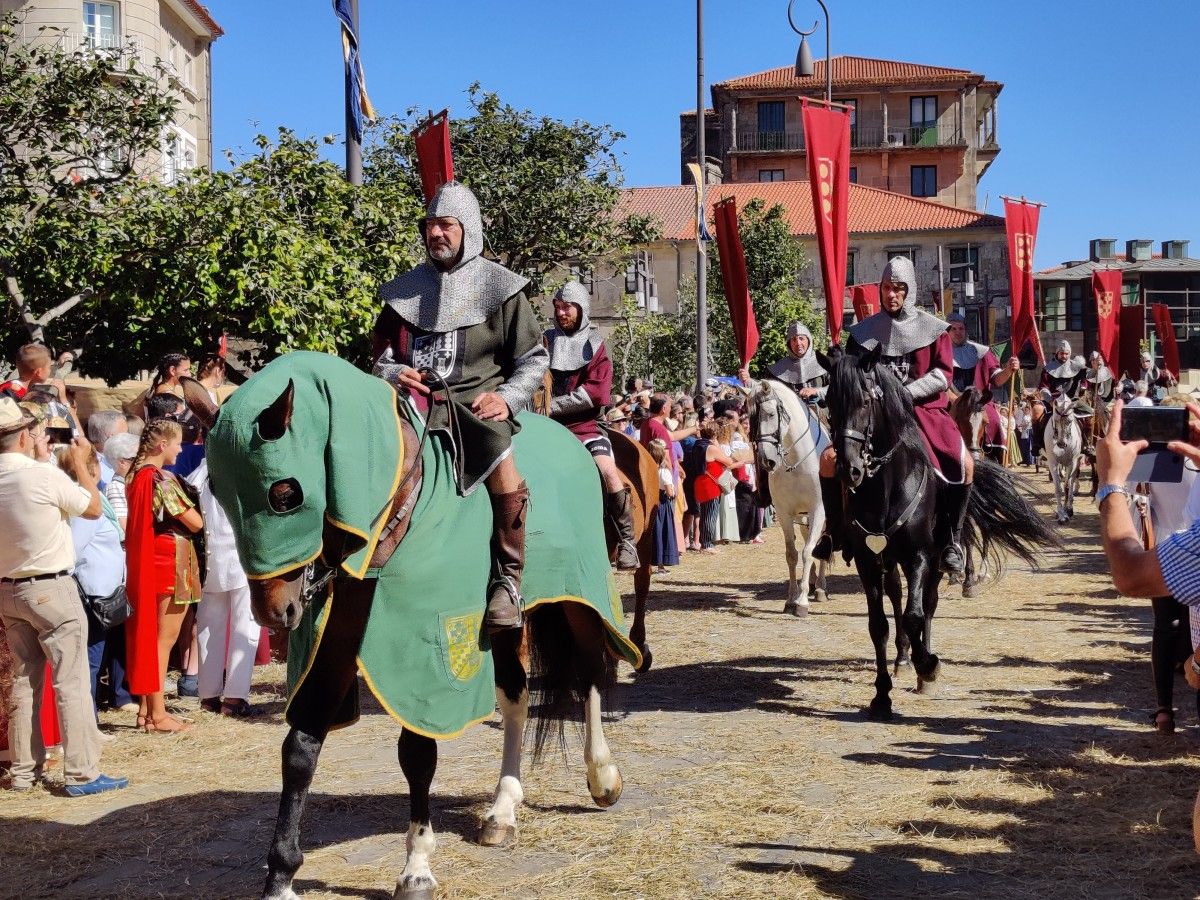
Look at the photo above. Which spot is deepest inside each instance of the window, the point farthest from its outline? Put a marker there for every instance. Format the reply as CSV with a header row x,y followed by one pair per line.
x,y
178,154
850,267
770,174
924,181
854,174
922,121
770,125
962,259
100,25
1054,308
1075,305
909,253
853,104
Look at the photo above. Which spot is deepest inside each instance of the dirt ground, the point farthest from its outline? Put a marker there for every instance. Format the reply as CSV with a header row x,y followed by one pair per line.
x,y
750,770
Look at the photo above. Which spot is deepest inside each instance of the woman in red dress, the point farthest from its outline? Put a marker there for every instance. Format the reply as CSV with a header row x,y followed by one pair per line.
x,y
163,570
707,489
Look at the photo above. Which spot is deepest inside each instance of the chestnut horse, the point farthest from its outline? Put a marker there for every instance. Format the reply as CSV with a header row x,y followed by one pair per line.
x,y
567,643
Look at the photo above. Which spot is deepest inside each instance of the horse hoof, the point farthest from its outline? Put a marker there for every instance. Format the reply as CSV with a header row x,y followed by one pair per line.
x,y
799,610
285,894
609,797
970,590
934,671
418,889
820,596
493,834
901,662
647,659
879,711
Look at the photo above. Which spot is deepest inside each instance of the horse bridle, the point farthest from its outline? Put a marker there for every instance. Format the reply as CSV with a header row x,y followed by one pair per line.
x,y
871,463
314,584
775,438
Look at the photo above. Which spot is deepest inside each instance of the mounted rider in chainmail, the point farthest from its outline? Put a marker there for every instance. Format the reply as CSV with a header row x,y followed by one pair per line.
x,y
463,321
581,385
916,346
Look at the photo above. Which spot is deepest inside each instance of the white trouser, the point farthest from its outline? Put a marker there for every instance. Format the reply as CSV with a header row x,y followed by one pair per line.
x,y
228,638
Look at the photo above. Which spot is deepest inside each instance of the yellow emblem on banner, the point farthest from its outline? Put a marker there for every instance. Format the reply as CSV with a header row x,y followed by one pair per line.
x,y
1023,243
1104,304
825,185
462,642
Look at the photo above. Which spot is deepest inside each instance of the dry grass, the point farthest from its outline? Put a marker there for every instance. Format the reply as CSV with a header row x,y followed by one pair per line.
x,y
749,768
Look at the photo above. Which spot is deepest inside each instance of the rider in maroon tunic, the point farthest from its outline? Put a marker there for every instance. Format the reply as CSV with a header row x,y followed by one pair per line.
x,y
976,365
581,384
915,345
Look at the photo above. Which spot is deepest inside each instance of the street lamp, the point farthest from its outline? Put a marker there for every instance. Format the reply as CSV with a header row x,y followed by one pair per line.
x,y
804,60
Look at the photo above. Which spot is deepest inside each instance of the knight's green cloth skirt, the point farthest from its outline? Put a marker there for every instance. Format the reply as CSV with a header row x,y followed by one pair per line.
x,y
425,654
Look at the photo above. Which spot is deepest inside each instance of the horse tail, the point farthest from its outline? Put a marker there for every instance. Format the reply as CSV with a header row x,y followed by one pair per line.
x,y
560,679
1001,518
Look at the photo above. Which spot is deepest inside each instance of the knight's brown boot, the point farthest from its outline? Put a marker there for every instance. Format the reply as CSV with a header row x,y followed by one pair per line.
x,y
508,558
620,513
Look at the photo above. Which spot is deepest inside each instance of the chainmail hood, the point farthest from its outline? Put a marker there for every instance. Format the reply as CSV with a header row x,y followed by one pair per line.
x,y
569,352
798,370
969,355
908,330
467,293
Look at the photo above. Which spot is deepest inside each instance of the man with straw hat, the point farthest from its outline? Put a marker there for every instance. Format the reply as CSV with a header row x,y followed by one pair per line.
x,y
40,606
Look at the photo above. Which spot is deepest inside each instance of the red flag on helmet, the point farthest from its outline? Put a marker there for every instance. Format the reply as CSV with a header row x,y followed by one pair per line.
x,y
434,159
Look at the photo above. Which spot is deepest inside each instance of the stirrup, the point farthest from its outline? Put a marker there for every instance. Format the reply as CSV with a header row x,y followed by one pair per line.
x,y
627,556
497,616
953,552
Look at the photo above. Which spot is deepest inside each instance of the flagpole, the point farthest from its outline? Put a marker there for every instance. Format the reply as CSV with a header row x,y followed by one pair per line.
x,y
701,252
354,170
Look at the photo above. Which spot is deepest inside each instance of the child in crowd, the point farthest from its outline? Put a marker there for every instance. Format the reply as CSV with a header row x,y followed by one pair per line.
x,y
666,547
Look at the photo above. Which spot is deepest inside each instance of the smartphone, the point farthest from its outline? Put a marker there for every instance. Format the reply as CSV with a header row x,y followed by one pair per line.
x,y
59,435
1159,425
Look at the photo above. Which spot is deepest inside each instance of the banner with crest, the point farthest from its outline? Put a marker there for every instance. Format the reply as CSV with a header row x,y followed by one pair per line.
x,y
1106,288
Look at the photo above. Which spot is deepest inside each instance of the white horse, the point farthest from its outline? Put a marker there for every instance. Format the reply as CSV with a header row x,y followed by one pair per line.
x,y
787,435
1063,447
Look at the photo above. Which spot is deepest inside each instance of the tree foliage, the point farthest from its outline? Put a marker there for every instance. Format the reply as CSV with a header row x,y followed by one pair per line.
x,y
549,190
75,126
664,346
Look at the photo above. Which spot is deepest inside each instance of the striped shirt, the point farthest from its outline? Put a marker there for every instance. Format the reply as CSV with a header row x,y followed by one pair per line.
x,y
115,493
1179,559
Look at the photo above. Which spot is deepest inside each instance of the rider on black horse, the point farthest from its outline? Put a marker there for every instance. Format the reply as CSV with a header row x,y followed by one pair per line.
x,y
464,321
916,347
581,385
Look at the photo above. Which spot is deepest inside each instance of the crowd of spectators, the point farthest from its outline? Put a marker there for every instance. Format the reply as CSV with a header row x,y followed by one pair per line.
x,y
116,564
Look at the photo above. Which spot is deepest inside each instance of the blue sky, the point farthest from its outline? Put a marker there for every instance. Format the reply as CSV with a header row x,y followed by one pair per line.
x,y
1097,119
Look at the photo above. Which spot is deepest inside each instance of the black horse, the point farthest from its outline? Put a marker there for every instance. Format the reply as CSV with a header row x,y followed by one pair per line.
x,y
892,512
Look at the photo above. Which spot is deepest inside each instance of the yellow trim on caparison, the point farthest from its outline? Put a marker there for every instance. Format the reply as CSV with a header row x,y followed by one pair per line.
x,y
622,639
434,735
373,539
290,567
312,654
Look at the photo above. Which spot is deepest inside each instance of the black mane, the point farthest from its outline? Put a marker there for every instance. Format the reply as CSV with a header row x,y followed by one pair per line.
x,y
848,390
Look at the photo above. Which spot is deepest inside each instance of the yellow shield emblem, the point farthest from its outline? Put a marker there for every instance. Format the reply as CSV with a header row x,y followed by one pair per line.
x,y
1104,304
1024,251
825,186
462,645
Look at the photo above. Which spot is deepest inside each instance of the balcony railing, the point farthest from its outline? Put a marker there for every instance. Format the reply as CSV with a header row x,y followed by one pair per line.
x,y
862,137
147,61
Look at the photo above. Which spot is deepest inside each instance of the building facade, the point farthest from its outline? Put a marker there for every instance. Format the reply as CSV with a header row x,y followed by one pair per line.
x,y
923,131
950,248
1066,308
179,33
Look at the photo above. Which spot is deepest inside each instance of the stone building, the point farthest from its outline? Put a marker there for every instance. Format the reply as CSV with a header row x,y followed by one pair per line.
x,y
924,131
881,225
180,33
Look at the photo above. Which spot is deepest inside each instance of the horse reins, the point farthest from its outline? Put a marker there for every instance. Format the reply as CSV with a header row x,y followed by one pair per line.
x,y
784,419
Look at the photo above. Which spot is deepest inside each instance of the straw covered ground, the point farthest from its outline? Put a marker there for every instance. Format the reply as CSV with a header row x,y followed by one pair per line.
x,y
749,768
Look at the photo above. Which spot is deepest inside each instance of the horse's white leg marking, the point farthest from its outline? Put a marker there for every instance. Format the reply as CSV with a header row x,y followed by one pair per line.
x,y
816,525
603,776
417,878
500,821
788,521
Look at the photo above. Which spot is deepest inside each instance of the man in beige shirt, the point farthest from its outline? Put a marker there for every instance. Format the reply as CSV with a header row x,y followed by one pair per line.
x,y
40,607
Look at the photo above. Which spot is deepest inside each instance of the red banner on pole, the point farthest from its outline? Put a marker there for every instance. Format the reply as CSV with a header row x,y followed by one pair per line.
x,y
1021,223
434,159
865,299
827,139
1132,330
737,283
1106,288
1166,338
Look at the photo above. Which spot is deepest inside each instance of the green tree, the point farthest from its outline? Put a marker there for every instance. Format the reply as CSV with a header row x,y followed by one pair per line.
x,y
75,127
280,252
665,345
549,190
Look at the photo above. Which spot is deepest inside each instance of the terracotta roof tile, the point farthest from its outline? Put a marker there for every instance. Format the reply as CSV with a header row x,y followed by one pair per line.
x,y
201,12
872,211
851,70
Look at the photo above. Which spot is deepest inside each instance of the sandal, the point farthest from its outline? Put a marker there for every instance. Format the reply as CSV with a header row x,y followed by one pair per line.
x,y
238,709
211,704
1164,720
168,724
